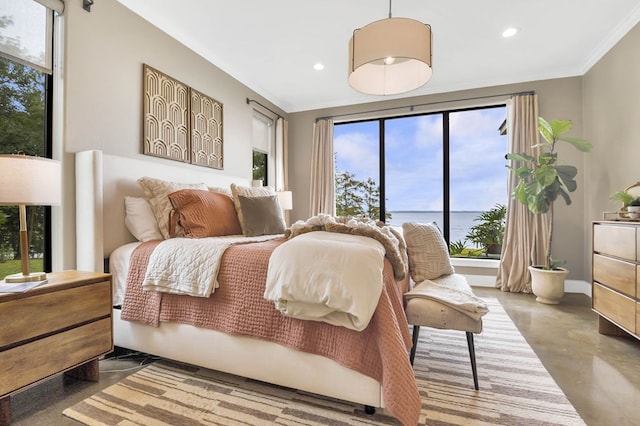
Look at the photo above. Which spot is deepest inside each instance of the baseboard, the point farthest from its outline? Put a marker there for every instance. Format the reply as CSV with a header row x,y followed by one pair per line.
x,y
570,286
577,286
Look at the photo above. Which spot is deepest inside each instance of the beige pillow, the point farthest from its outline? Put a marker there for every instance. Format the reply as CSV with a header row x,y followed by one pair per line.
x,y
204,213
157,191
261,215
428,252
248,191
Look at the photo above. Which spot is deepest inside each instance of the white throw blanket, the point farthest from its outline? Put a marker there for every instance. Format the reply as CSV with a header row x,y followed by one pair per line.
x,y
460,300
190,265
327,276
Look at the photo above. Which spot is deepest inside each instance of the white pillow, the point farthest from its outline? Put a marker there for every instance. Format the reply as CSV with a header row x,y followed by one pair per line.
x,y
428,252
157,191
140,220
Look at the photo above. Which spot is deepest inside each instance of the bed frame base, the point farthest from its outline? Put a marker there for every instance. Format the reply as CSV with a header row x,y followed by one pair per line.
x,y
249,357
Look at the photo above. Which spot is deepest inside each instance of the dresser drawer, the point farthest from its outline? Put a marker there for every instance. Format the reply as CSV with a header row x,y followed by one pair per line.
x,y
619,241
27,318
637,317
615,306
616,274
31,362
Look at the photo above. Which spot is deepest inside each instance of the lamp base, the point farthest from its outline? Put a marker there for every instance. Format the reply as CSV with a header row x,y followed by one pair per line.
x,y
20,278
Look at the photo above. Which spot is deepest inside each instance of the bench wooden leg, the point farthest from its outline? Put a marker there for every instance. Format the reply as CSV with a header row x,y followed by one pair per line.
x,y
414,338
472,355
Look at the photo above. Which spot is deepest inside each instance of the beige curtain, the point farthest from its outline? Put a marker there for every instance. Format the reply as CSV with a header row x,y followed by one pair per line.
x,y
282,159
525,233
322,169
282,171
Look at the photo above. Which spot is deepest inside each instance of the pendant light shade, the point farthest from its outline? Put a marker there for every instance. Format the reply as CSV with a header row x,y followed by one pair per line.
x,y
390,56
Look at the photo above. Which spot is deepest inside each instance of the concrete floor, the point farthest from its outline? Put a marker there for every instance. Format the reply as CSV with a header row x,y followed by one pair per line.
x,y
599,374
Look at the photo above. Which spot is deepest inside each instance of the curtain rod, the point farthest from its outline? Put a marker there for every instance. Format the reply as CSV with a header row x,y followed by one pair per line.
x,y
265,107
411,107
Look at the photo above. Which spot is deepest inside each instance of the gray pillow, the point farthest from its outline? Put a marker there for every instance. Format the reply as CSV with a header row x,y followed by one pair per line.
x,y
261,215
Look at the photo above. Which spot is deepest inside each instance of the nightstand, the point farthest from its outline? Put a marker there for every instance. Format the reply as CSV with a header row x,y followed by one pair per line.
x,y
61,326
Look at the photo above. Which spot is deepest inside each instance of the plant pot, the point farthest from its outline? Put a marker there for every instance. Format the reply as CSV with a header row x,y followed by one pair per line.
x,y
634,212
494,249
547,285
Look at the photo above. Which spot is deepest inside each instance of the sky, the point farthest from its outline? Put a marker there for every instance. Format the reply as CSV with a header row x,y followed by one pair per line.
x,y
413,150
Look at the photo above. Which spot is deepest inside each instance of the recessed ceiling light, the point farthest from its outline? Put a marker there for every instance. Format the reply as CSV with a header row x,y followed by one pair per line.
x,y
318,67
510,32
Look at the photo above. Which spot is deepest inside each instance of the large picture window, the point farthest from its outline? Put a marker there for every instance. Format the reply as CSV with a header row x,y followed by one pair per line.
x,y
25,121
446,167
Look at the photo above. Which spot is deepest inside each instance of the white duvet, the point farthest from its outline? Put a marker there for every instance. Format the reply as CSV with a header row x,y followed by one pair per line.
x,y
327,276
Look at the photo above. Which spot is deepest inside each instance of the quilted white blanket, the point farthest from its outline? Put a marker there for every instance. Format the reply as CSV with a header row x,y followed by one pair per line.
x,y
190,265
326,276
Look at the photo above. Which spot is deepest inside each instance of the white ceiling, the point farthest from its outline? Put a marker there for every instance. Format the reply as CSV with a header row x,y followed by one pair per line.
x,y
271,46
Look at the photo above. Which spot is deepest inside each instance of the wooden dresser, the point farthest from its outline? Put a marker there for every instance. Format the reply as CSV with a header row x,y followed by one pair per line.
x,y
63,325
616,277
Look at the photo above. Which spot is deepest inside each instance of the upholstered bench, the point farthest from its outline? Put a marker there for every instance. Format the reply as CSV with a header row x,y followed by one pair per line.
x,y
441,298
431,312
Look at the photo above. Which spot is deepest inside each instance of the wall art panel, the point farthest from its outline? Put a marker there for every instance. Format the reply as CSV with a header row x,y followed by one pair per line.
x,y
206,131
166,116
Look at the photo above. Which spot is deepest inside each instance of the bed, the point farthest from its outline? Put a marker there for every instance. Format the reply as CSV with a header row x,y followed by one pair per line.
x,y
102,183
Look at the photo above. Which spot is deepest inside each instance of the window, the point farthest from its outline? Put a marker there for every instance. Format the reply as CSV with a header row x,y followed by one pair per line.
x,y
25,120
263,132
446,167
260,171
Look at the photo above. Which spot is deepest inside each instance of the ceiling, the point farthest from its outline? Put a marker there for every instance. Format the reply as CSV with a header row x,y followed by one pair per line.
x,y
271,46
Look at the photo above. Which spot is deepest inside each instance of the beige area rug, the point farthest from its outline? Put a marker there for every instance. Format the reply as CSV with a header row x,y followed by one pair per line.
x,y
515,389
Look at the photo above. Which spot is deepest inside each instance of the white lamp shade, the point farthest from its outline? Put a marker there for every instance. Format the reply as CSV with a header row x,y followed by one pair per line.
x,y
406,41
285,199
29,180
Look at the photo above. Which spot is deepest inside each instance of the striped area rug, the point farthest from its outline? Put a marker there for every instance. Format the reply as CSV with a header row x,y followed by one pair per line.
x,y
515,389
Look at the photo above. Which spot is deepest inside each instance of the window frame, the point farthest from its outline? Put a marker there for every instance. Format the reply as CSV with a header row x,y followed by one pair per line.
x,y
446,146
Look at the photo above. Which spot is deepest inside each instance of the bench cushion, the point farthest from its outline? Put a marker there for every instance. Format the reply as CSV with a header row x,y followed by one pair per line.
x,y
431,313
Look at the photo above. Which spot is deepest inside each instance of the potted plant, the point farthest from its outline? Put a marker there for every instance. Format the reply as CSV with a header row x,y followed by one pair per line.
x,y
630,203
633,209
541,180
488,234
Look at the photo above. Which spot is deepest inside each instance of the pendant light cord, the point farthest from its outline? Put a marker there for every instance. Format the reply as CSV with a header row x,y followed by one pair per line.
x,y
389,9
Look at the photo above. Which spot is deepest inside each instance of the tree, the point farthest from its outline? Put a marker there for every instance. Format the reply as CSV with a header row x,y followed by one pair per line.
x,y
357,198
348,199
22,124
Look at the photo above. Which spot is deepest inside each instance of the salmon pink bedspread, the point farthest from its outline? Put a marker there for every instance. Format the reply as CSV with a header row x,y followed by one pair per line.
x,y
239,308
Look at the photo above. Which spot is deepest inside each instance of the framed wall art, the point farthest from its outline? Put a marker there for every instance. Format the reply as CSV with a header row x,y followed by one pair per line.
x,y
166,117
206,131
179,122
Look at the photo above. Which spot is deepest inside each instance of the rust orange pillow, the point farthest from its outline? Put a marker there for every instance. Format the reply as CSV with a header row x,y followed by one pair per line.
x,y
204,213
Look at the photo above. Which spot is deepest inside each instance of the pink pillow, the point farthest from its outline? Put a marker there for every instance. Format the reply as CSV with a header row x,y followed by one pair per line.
x,y
204,214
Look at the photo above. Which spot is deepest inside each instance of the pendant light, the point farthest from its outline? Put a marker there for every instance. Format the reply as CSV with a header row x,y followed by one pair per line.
x,y
390,56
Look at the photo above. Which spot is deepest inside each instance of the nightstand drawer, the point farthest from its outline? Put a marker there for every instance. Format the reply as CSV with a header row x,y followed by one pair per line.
x,y
615,306
37,315
29,363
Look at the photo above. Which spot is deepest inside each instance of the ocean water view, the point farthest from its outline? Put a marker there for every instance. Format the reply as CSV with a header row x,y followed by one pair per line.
x,y
460,222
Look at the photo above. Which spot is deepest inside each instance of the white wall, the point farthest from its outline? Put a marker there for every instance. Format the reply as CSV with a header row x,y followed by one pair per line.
x,y
104,51
612,117
558,99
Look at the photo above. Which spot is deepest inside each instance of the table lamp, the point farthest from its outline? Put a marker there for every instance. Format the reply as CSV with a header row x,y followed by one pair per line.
x,y
28,181
285,199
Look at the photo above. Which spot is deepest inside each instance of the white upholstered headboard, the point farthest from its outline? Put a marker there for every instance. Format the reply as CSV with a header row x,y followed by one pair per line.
x,y
102,182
